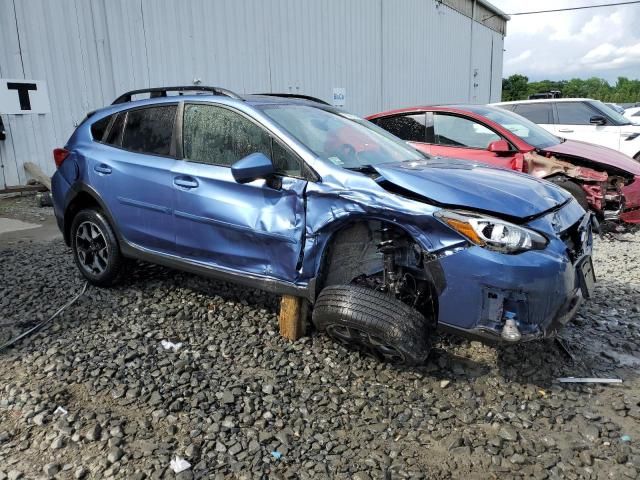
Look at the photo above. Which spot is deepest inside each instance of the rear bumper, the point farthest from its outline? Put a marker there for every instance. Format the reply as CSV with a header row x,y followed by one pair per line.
x,y
543,288
59,189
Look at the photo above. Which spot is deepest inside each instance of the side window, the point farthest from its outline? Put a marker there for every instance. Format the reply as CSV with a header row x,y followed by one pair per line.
x,y
455,131
98,128
536,112
510,107
574,113
149,130
219,136
407,127
637,114
114,137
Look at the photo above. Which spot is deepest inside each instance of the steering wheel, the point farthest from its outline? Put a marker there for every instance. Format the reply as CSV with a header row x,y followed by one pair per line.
x,y
347,153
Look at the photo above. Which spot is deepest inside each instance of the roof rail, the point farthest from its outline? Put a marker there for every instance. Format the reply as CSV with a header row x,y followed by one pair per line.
x,y
162,92
294,95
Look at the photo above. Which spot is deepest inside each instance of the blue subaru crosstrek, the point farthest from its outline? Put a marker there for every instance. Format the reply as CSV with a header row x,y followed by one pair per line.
x,y
296,197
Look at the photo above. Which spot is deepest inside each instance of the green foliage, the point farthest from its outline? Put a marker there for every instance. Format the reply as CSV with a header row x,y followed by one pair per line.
x,y
518,87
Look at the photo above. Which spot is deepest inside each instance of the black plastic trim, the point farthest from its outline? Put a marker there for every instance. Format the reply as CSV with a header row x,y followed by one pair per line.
x,y
250,280
157,92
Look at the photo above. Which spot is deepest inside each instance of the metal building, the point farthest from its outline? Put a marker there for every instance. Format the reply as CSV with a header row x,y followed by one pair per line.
x,y
64,58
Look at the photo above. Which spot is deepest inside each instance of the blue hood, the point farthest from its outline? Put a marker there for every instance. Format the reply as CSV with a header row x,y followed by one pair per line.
x,y
465,184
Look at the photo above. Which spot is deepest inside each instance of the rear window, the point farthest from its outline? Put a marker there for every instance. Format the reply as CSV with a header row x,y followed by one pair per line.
x,y
149,130
115,132
540,113
407,127
98,128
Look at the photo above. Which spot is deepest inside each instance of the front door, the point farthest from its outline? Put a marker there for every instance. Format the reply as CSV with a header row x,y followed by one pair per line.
x,y
460,137
254,228
574,122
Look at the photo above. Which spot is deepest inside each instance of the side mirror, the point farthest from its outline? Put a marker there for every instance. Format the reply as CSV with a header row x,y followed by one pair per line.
x,y
499,146
598,120
252,167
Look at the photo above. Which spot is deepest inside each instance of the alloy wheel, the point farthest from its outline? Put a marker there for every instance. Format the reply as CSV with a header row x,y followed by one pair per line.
x,y
92,248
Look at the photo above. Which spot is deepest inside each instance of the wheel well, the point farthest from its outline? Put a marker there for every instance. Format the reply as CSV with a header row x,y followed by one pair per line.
x,y
80,202
354,252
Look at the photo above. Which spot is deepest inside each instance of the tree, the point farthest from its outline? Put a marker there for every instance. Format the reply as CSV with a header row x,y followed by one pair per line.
x,y
515,87
518,87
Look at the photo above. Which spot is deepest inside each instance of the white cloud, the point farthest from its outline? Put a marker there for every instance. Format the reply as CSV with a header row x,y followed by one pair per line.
x,y
523,56
580,43
608,56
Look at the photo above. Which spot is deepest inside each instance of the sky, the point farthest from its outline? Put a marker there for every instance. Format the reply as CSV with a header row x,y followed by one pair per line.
x,y
598,42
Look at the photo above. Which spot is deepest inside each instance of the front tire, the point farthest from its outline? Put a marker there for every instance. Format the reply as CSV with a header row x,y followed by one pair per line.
x,y
95,248
574,189
373,322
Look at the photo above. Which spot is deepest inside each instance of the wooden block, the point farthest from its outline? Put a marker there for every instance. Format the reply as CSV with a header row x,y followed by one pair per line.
x,y
293,317
36,172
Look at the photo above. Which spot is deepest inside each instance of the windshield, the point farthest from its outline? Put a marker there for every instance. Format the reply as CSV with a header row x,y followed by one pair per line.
x,y
619,119
340,139
528,131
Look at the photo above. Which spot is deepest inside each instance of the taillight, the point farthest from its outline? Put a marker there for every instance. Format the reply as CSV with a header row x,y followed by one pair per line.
x,y
60,155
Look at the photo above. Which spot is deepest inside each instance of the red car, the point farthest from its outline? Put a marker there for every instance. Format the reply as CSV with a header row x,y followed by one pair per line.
x,y
604,180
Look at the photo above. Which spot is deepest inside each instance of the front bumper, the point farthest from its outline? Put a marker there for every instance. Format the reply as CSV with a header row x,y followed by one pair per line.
x,y
631,194
544,288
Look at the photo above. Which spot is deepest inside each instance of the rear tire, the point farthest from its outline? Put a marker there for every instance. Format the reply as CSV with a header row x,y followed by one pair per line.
x,y
574,189
95,248
373,322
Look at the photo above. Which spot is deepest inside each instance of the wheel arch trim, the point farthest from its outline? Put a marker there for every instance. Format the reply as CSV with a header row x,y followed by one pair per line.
x,y
77,189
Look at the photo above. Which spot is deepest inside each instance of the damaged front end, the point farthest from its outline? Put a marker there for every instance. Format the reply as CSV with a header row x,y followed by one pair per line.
x,y
403,245
612,191
594,183
540,290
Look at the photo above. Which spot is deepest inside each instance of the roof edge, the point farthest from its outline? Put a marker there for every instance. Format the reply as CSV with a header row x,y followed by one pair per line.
x,y
494,9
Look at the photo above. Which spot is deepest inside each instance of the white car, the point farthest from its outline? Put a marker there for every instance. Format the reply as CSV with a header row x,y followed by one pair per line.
x,y
633,114
582,119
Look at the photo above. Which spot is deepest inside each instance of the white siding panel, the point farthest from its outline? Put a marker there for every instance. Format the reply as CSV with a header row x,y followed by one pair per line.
x,y
425,54
496,73
10,67
385,54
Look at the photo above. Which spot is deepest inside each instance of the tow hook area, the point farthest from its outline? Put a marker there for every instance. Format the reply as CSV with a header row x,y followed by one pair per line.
x,y
510,332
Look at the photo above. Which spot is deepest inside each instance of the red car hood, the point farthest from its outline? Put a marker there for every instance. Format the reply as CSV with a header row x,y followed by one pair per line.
x,y
597,154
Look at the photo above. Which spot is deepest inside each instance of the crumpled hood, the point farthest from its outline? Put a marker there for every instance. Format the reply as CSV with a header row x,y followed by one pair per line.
x,y
597,154
469,185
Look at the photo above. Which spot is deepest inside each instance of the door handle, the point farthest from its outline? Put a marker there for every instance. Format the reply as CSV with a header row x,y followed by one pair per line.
x,y
186,182
565,130
102,168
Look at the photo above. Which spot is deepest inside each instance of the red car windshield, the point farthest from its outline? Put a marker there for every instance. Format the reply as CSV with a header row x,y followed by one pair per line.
x,y
528,131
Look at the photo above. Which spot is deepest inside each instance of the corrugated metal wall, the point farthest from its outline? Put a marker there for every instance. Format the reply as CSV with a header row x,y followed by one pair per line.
x,y
385,53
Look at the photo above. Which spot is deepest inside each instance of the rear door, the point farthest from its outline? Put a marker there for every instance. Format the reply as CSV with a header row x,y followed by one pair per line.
x,y
253,228
409,127
539,112
131,169
574,122
462,137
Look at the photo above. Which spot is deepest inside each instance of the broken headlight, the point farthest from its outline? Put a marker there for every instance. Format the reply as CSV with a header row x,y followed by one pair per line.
x,y
492,233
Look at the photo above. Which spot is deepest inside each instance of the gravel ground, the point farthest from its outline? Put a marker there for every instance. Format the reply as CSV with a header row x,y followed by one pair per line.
x,y
236,396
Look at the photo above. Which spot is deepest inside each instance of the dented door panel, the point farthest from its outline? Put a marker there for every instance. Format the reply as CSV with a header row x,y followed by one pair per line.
x,y
250,227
